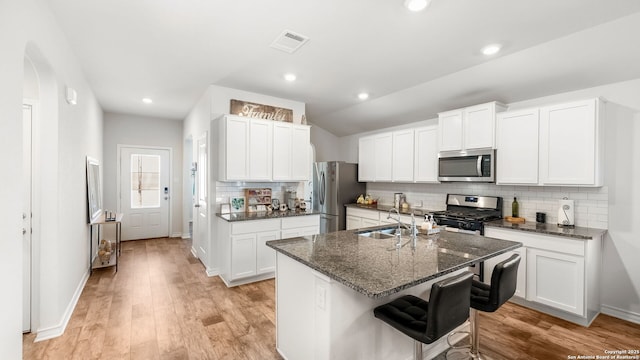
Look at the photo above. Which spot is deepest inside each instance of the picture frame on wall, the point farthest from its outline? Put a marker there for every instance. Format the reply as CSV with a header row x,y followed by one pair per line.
x,y
237,204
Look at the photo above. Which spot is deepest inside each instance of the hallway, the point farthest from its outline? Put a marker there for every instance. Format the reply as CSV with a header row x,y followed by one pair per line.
x,y
161,305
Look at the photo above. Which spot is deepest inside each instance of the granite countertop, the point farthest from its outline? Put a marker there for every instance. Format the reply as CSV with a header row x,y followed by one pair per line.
x,y
376,269
263,215
576,232
386,208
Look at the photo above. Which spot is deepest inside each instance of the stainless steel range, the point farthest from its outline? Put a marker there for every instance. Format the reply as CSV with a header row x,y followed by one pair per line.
x,y
468,213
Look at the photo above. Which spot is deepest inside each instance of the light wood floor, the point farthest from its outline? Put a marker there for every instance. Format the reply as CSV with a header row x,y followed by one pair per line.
x,y
161,305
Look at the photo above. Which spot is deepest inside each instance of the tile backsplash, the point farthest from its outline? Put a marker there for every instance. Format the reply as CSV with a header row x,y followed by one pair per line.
x,y
591,204
227,190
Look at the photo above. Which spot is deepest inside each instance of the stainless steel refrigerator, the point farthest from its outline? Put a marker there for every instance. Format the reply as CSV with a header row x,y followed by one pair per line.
x,y
335,183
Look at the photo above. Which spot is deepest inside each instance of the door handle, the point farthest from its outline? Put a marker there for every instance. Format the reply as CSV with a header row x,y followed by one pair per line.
x,y
196,205
24,231
479,166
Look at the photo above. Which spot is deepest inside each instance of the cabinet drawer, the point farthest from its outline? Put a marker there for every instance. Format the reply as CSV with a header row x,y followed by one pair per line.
x,y
245,227
365,214
544,242
300,221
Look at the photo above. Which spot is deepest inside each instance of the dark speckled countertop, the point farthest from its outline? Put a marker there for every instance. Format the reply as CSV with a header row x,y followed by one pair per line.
x,y
263,215
576,232
366,265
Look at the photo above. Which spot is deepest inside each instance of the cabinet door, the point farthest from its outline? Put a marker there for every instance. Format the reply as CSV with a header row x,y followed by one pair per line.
x,y
366,159
556,280
402,156
568,144
300,164
243,256
517,144
237,145
260,145
479,126
521,286
384,157
426,154
265,256
369,222
353,222
282,146
450,130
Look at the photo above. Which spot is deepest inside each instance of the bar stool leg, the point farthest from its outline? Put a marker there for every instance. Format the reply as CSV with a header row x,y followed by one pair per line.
x,y
417,350
475,335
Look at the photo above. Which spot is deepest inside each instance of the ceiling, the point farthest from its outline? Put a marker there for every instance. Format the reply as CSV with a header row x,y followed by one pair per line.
x,y
412,64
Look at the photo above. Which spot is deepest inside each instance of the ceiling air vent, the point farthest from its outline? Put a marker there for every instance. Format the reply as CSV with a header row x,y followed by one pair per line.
x,y
289,41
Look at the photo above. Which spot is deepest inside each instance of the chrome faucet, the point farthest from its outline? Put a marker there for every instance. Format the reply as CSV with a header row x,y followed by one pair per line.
x,y
413,229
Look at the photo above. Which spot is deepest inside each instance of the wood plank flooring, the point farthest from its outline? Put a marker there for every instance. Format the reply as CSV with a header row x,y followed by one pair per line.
x,y
161,305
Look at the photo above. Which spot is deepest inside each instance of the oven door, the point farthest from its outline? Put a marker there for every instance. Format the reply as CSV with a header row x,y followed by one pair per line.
x,y
473,165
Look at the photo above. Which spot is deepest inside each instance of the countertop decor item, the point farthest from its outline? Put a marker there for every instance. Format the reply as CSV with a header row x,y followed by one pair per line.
x,y
566,214
259,111
237,204
515,219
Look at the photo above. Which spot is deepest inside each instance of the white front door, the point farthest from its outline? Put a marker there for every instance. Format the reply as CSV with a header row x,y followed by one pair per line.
x,y
201,225
26,216
144,192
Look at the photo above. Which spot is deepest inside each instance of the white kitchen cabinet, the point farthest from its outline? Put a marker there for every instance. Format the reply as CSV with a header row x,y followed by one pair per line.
x,y
234,148
243,256
472,127
403,151
300,148
517,144
426,154
265,256
291,152
450,130
260,144
360,218
557,275
353,222
300,226
521,285
556,279
375,157
571,143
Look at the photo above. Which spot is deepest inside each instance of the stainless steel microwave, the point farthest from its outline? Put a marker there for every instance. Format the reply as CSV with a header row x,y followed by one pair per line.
x,y
470,165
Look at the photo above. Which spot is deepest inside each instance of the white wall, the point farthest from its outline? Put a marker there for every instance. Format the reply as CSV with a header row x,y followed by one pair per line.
x,y
143,131
66,135
215,102
326,144
621,279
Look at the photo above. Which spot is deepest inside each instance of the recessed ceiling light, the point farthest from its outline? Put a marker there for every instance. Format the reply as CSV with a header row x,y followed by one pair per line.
x,y
363,96
416,5
147,101
290,77
491,49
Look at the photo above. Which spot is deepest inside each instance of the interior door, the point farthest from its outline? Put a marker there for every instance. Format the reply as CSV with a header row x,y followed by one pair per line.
x,y
144,192
26,216
201,225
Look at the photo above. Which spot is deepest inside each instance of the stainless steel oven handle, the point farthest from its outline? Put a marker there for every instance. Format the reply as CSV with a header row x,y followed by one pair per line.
x,y
479,165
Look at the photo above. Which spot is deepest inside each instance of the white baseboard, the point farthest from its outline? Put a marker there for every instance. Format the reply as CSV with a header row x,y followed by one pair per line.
x,y
193,252
186,236
213,272
620,313
55,331
176,235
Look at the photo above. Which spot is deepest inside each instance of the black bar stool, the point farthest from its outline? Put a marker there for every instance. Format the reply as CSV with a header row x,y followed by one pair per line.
x,y
489,298
426,322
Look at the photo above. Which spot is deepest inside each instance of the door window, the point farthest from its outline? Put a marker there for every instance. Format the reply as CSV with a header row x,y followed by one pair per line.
x,y
145,181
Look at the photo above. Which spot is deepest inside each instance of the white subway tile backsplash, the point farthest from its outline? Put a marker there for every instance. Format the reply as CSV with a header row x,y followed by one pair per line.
x,y
591,204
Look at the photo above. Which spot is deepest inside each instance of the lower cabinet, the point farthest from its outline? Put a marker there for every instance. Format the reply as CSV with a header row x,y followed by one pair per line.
x,y
361,218
557,275
245,257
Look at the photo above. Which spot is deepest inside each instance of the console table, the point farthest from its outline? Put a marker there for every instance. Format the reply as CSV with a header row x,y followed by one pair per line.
x,y
113,261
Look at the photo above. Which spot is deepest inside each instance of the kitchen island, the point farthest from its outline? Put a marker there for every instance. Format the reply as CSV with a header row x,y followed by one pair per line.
x,y
327,286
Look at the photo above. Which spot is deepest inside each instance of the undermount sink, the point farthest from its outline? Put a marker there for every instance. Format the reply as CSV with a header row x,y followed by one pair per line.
x,y
385,233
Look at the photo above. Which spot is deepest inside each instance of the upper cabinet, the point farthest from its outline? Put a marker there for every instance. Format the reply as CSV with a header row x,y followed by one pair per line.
x,y
553,145
517,144
468,128
375,156
571,143
402,156
407,156
426,154
291,152
263,150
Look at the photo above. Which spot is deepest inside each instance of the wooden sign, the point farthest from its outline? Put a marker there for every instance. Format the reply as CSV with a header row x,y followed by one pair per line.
x,y
259,111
